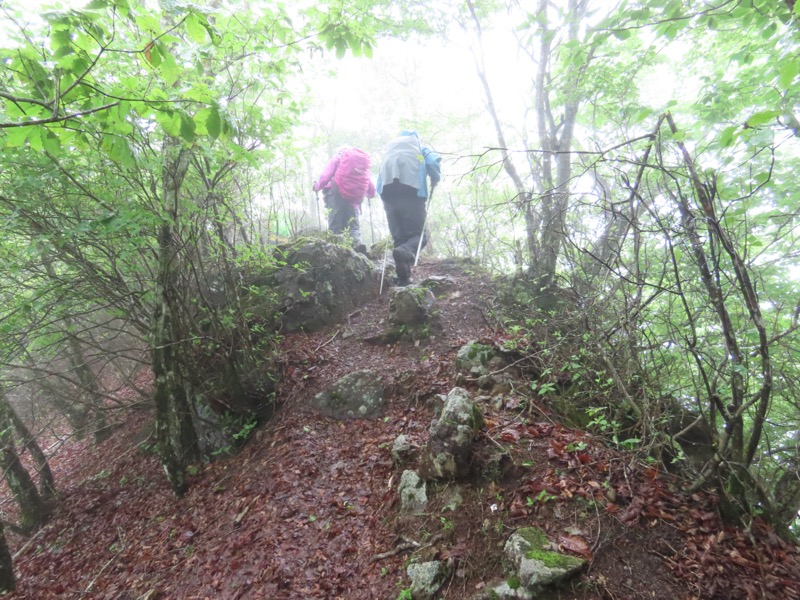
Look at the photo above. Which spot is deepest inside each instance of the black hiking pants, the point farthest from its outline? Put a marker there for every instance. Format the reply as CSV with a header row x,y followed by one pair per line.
x,y
342,215
406,215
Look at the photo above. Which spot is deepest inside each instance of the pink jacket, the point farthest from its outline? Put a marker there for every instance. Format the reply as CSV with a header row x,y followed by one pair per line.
x,y
325,180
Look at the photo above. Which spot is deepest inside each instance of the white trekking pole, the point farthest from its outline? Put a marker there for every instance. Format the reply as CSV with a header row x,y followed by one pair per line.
x,y
424,222
383,270
371,226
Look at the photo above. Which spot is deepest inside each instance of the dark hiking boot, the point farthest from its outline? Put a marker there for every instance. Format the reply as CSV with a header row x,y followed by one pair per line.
x,y
361,249
402,282
403,259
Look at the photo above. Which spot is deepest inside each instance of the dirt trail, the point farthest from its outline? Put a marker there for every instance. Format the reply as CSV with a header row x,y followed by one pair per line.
x,y
299,514
308,510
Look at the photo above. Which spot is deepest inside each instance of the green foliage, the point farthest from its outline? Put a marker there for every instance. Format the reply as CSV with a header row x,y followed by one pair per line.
x,y
100,109
542,497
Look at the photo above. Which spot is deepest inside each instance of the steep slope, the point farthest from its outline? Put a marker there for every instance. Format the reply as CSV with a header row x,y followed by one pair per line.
x,y
309,509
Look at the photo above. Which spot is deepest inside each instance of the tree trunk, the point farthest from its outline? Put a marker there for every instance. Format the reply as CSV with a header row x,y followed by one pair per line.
x,y
787,492
177,440
556,148
47,484
7,580
32,509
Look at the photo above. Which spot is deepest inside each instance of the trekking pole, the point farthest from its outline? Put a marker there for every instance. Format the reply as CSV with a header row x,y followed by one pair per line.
x,y
424,222
383,270
319,213
371,226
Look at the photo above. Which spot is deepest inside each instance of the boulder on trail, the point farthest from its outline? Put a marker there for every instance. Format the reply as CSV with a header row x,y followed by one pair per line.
x,y
413,493
411,316
479,359
447,454
411,306
403,451
358,395
439,284
318,284
536,564
427,578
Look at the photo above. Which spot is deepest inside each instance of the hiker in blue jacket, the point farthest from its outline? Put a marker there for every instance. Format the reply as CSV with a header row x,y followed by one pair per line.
x,y
403,187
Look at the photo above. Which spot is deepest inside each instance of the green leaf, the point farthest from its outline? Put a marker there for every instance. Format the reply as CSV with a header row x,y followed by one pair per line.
x,y
16,136
214,123
788,72
740,369
200,118
170,122
642,115
195,29
118,150
727,136
187,128
51,142
622,34
762,177
148,23
170,70
341,48
60,38
35,139
763,117
154,56
123,8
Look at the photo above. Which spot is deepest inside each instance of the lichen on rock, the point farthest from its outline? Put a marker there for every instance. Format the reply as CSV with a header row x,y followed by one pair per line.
x,y
357,395
447,453
536,565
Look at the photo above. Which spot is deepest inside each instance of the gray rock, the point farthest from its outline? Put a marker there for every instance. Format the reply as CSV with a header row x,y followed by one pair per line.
x,y
504,591
474,358
413,493
538,567
451,497
411,306
439,284
446,455
358,395
320,284
403,451
486,382
426,578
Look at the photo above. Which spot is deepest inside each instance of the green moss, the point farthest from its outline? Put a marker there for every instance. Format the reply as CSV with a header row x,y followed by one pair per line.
x,y
336,400
481,350
477,419
538,540
553,560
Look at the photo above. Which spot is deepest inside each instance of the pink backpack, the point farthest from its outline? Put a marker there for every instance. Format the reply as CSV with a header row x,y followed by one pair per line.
x,y
352,176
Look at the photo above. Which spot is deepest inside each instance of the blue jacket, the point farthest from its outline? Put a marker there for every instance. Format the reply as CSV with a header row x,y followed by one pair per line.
x,y
410,162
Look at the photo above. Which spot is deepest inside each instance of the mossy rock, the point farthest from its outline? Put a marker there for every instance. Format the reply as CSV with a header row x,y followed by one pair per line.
x,y
537,566
316,284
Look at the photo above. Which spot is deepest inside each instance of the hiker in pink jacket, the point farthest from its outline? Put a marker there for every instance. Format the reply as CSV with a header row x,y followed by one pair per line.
x,y
344,183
